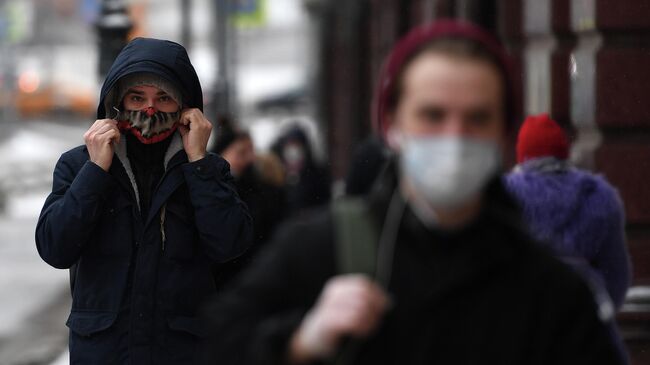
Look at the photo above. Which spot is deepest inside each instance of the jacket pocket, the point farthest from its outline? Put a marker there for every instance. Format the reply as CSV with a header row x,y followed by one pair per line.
x,y
192,325
89,323
118,203
112,236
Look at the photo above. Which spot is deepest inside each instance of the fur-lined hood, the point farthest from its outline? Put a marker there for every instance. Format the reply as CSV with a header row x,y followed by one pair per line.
x,y
571,209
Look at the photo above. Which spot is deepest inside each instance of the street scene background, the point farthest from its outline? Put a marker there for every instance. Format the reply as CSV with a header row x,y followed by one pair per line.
x,y
50,55
275,64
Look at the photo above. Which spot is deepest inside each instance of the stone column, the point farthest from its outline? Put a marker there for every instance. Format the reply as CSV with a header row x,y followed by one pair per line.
x,y
610,90
511,31
422,11
549,43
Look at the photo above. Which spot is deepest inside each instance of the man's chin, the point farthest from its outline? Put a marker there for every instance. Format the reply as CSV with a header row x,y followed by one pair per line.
x,y
149,139
152,139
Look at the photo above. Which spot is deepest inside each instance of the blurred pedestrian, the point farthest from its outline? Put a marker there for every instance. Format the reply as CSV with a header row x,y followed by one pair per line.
x,y
575,213
142,213
271,169
434,266
307,183
265,200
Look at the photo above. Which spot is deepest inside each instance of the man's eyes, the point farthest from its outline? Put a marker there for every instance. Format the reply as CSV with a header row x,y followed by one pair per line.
x,y
433,114
438,115
479,118
161,99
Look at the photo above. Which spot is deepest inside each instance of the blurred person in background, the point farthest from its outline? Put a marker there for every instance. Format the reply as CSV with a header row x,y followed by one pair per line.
x,y
575,213
142,213
307,183
434,266
265,200
271,169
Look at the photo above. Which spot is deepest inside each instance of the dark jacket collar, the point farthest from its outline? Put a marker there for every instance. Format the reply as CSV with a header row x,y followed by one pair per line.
x,y
490,241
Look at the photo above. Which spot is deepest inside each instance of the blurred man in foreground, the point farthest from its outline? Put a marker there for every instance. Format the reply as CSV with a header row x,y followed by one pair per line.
x,y
434,268
142,213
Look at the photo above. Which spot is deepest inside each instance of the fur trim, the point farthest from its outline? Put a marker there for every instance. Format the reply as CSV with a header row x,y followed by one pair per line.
x,y
572,211
544,165
175,146
120,151
578,215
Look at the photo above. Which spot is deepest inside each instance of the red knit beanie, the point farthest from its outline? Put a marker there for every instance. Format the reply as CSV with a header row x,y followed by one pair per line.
x,y
411,44
540,136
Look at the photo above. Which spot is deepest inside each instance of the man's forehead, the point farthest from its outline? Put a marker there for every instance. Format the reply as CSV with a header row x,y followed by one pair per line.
x,y
449,79
142,89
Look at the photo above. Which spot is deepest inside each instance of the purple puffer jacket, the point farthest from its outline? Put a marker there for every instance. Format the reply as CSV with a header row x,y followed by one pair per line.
x,y
579,215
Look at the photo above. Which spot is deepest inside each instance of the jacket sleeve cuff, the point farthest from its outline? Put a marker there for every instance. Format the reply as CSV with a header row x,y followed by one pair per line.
x,y
210,167
273,336
92,180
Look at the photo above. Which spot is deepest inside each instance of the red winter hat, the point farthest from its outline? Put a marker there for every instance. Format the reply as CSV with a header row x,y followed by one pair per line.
x,y
541,136
411,44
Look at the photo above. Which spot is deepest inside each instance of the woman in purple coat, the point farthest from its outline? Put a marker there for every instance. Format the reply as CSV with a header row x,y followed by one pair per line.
x,y
579,215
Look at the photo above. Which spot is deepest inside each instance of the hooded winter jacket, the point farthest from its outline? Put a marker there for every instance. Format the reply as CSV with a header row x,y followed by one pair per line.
x,y
139,281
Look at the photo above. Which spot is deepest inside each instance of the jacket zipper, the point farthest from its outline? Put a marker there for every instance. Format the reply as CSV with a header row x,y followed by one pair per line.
x,y
163,212
163,209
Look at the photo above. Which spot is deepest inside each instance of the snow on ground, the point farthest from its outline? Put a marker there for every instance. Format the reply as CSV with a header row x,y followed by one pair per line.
x,y
63,359
27,160
27,283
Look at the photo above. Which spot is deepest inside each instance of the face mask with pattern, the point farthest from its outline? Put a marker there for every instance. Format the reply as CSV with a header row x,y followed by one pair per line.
x,y
148,125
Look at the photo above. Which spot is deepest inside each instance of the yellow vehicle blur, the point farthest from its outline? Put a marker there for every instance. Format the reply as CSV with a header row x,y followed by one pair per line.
x,y
34,98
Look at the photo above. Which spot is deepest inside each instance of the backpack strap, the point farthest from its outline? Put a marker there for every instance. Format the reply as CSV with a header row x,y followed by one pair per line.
x,y
357,250
355,236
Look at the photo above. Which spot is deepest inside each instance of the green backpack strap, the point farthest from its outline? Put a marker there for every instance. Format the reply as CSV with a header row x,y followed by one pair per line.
x,y
356,252
356,236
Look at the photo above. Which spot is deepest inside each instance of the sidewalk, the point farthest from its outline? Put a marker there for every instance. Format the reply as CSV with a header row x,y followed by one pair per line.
x,y
34,300
34,297
63,359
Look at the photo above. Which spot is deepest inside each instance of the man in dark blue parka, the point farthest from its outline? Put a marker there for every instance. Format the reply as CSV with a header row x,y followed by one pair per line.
x,y
142,214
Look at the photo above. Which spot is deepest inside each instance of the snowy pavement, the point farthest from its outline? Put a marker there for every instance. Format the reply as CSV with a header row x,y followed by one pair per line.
x,y
34,297
63,359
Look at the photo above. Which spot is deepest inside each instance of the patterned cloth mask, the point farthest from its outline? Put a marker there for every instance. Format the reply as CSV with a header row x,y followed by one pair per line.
x,y
148,125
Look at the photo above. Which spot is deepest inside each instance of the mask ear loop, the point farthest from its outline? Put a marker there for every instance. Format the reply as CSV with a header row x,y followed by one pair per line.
x,y
117,113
